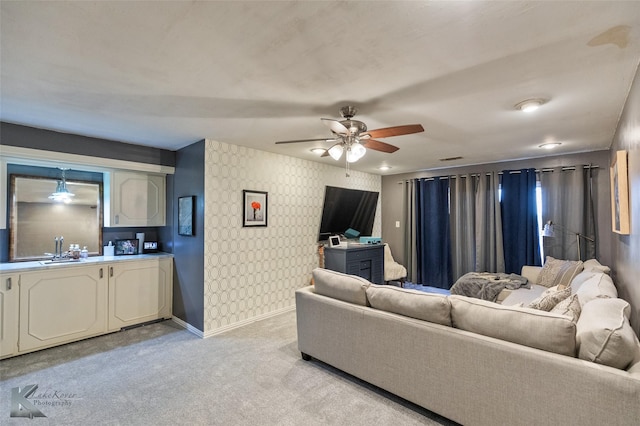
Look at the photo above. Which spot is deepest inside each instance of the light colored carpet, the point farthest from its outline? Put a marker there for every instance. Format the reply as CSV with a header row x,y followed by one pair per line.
x,y
161,374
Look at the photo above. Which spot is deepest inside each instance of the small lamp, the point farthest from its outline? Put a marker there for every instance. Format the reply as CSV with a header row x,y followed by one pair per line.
x,y
548,231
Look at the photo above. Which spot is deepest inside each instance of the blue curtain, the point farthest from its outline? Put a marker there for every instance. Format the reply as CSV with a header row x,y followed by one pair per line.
x,y
433,243
519,220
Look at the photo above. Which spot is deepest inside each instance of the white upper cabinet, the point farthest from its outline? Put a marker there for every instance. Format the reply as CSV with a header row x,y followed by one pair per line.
x,y
135,199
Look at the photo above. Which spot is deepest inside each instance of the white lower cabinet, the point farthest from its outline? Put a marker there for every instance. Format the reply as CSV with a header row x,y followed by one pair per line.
x,y
9,314
60,306
66,303
139,292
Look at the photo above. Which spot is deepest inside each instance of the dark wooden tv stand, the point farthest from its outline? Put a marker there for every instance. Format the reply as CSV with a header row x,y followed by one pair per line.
x,y
363,260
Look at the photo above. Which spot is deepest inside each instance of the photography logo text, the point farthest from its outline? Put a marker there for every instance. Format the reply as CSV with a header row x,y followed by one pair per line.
x,y
28,402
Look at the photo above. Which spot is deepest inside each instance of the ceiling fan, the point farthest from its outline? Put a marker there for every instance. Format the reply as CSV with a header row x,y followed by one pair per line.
x,y
352,137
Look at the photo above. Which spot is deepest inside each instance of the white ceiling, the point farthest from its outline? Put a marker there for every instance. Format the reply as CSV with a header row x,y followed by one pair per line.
x,y
168,74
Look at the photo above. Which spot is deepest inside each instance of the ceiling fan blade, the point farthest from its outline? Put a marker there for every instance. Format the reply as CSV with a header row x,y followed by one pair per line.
x,y
379,146
336,126
395,131
325,153
308,140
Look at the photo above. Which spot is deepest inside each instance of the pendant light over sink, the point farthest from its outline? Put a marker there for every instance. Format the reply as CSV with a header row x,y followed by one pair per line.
x,y
62,194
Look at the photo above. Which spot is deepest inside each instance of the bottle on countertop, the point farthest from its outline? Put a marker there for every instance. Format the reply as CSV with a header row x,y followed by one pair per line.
x,y
84,253
74,251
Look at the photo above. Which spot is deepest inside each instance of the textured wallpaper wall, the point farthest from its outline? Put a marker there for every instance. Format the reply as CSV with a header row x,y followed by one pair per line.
x,y
253,272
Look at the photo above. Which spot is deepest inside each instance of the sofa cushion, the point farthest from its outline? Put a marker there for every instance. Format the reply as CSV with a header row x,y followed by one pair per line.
x,y
592,265
596,287
410,303
524,295
530,327
531,273
349,288
550,298
558,272
604,334
569,307
580,279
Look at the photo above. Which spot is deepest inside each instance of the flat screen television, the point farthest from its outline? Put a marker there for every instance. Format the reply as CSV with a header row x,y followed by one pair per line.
x,y
345,209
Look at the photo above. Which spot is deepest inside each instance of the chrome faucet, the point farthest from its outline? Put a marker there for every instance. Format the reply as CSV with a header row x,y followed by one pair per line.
x,y
59,244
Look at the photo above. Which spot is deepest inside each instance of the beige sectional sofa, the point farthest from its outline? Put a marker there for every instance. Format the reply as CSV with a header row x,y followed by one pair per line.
x,y
478,362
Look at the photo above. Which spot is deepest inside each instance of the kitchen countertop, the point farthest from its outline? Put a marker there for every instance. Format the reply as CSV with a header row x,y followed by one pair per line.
x,y
38,266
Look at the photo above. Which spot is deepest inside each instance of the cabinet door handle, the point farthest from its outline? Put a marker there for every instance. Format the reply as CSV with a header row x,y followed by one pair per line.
x,y
9,283
110,271
101,273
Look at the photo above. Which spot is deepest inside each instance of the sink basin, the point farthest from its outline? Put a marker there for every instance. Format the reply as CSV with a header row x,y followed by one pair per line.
x,y
54,261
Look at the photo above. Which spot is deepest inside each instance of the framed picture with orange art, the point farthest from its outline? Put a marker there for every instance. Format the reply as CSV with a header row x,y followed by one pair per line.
x,y
254,208
620,194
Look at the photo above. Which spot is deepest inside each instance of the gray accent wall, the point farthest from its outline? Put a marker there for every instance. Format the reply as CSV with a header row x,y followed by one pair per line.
x,y
48,140
188,277
626,248
392,192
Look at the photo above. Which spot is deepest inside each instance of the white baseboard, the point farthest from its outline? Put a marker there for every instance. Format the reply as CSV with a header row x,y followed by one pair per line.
x,y
233,326
188,327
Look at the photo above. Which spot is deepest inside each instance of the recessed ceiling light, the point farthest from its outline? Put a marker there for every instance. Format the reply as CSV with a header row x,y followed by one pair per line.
x,y
550,145
530,104
318,151
384,168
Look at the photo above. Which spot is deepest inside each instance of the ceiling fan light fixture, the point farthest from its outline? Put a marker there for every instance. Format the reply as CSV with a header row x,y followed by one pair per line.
x,y
530,105
336,151
355,152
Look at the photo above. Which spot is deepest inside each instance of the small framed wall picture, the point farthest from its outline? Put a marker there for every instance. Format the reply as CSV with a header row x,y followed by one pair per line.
x,y
621,222
254,208
185,215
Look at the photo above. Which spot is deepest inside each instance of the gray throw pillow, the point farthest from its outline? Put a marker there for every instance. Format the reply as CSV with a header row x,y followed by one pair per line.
x,y
559,272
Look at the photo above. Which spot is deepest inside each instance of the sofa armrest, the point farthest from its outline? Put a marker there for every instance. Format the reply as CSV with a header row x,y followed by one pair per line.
x,y
531,273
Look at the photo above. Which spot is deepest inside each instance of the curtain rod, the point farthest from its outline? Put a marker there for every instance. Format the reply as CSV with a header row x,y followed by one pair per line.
x,y
546,170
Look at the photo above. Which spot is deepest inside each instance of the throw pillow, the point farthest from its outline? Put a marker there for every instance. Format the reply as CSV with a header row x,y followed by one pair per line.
x,y
559,272
604,335
569,307
550,298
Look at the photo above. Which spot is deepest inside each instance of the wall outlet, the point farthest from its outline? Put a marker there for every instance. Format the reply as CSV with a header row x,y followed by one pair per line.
x,y
397,224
